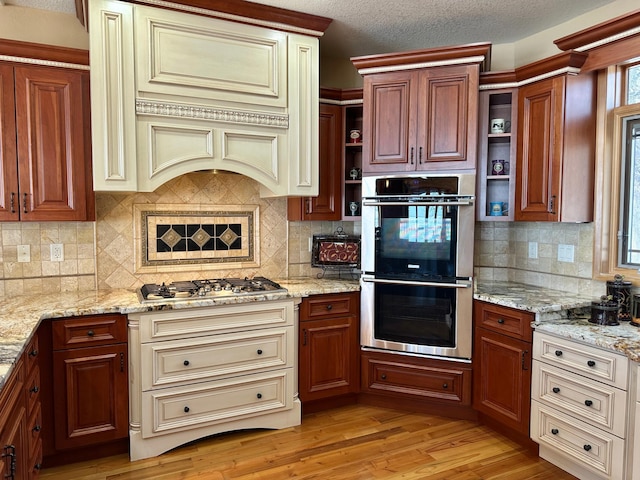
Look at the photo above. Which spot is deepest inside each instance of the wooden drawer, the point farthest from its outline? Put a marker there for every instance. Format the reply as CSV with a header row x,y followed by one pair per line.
x,y
32,353
601,365
577,442
508,321
328,306
34,427
89,331
408,377
32,389
593,402
205,358
197,322
35,461
183,408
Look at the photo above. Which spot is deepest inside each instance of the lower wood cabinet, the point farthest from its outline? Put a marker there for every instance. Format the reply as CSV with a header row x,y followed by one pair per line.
x,y
502,367
329,348
90,380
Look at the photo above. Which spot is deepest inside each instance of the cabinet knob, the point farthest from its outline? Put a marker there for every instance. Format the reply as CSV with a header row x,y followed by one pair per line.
x,y
554,431
37,428
186,409
37,466
33,353
383,376
501,321
558,353
329,307
591,363
259,396
91,333
34,389
587,447
588,403
259,351
555,390
445,385
186,363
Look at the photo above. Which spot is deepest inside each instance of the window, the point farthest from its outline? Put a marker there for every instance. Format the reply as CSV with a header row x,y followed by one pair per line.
x,y
629,225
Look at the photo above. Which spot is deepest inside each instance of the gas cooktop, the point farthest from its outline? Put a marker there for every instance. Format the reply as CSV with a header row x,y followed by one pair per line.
x,y
209,288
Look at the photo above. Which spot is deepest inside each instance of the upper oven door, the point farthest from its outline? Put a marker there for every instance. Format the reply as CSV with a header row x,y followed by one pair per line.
x,y
417,229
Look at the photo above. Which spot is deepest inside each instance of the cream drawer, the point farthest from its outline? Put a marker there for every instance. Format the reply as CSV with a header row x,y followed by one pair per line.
x,y
600,405
181,408
597,364
205,358
201,321
578,442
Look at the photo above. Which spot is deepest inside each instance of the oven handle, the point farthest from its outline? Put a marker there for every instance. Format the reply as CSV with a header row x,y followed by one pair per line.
x,y
366,278
369,203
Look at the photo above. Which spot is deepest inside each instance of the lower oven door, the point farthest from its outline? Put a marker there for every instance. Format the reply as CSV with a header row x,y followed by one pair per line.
x,y
427,318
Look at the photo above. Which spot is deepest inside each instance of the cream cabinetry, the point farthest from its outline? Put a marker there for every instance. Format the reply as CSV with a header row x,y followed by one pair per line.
x,y
579,407
200,371
175,92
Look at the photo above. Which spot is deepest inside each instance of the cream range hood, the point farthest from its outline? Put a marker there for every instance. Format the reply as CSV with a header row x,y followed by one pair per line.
x,y
174,92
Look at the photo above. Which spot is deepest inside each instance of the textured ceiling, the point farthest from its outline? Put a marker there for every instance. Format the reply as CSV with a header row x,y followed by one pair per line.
x,y
363,27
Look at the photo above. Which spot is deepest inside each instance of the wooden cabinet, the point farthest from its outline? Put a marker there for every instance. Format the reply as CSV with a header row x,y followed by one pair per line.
x,y
329,348
45,147
327,205
421,119
90,380
580,407
497,155
502,366
556,149
416,383
21,418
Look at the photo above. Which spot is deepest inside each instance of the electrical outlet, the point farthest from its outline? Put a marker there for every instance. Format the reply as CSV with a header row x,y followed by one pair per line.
x,y
533,249
57,252
565,253
24,253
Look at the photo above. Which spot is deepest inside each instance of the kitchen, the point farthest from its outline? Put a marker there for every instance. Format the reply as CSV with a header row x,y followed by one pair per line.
x,y
117,263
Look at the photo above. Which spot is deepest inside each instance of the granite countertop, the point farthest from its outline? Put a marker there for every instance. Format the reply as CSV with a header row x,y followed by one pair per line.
x,y
563,314
21,315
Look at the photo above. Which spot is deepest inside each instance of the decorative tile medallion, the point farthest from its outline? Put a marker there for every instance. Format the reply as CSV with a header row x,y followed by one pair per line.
x,y
195,237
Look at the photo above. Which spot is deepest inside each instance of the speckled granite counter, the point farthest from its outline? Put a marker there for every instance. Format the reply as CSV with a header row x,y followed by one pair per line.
x,y
563,314
21,316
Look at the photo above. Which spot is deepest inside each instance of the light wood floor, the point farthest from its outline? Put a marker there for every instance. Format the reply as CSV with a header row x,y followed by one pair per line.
x,y
354,442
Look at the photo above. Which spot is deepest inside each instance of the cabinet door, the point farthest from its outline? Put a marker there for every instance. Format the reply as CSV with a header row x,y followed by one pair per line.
x,y
51,144
539,150
390,102
502,388
327,205
13,440
8,165
328,358
447,118
90,395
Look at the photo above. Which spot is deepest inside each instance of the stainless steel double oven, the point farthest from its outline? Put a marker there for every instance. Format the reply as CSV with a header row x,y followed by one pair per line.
x,y
417,264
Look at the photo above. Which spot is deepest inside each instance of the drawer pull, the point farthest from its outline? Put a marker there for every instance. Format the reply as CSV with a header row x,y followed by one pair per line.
x,y
186,409
91,333
555,390
186,363
591,363
259,351
33,353
445,385
37,466
329,307
588,403
34,389
501,321
554,431
558,353
587,447
37,428
383,376
259,396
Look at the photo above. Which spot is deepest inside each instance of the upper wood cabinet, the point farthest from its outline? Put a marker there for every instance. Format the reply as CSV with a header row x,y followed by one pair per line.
x,y
327,205
418,116
175,92
556,149
45,148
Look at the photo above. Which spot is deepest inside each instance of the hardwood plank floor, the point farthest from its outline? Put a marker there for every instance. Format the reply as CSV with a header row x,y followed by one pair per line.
x,y
347,443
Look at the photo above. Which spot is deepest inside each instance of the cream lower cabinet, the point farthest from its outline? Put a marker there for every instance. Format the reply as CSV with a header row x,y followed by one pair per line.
x,y
579,407
175,92
201,371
